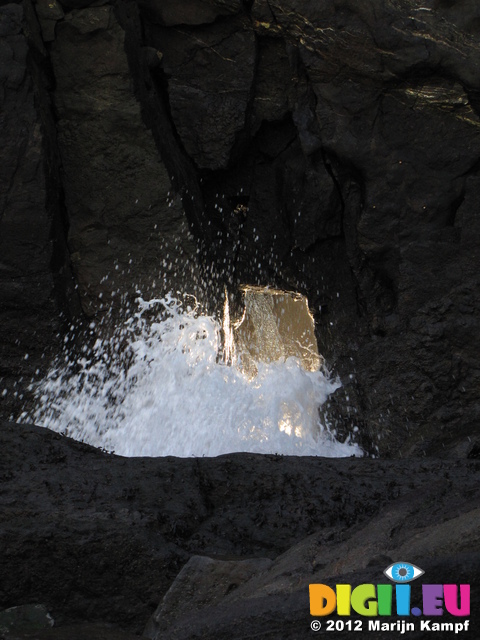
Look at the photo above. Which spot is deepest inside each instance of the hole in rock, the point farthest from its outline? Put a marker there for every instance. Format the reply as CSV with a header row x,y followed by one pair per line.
x,y
274,325
173,380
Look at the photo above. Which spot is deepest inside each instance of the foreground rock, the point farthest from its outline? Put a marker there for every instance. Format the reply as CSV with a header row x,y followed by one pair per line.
x,y
101,539
72,632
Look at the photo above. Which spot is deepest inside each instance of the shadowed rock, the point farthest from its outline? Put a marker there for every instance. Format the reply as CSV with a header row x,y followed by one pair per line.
x,y
99,538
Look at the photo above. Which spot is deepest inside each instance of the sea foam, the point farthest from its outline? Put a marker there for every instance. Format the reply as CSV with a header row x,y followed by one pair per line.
x,y
159,386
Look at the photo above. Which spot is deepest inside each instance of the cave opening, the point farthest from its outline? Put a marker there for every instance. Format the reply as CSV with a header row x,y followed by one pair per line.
x,y
270,325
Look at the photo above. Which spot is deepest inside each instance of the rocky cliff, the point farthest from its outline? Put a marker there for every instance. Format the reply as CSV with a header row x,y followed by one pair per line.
x,y
328,147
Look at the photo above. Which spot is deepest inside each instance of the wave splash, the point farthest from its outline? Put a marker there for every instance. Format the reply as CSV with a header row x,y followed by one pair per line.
x,y
158,387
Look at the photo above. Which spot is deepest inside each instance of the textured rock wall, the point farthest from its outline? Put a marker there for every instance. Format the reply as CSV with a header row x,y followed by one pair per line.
x,y
123,220
35,282
100,538
332,147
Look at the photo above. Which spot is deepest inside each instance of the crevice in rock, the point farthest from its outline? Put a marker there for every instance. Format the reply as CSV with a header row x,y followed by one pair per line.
x,y
275,19
328,162
157,116
243,137
40,68
474,99
454,208
474,170
147,15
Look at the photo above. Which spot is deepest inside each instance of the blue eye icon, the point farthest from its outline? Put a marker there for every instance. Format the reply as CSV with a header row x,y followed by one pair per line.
x,y
403,572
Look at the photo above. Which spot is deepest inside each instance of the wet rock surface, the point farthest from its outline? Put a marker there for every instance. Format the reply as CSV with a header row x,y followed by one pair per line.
x,y
101,539
25,619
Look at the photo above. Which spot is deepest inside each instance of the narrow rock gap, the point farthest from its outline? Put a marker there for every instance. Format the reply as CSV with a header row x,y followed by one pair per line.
x,y
40,67
157,116
454,208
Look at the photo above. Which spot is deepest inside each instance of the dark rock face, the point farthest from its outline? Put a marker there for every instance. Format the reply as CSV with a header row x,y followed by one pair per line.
x,y
326,147
100,539
212,69
34,275
122,224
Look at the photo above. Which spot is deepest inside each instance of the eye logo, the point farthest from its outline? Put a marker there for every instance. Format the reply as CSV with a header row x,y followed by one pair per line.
x,y
403,572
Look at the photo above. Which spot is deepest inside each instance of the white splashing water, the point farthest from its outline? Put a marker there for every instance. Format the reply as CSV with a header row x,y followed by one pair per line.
x,y
157,388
